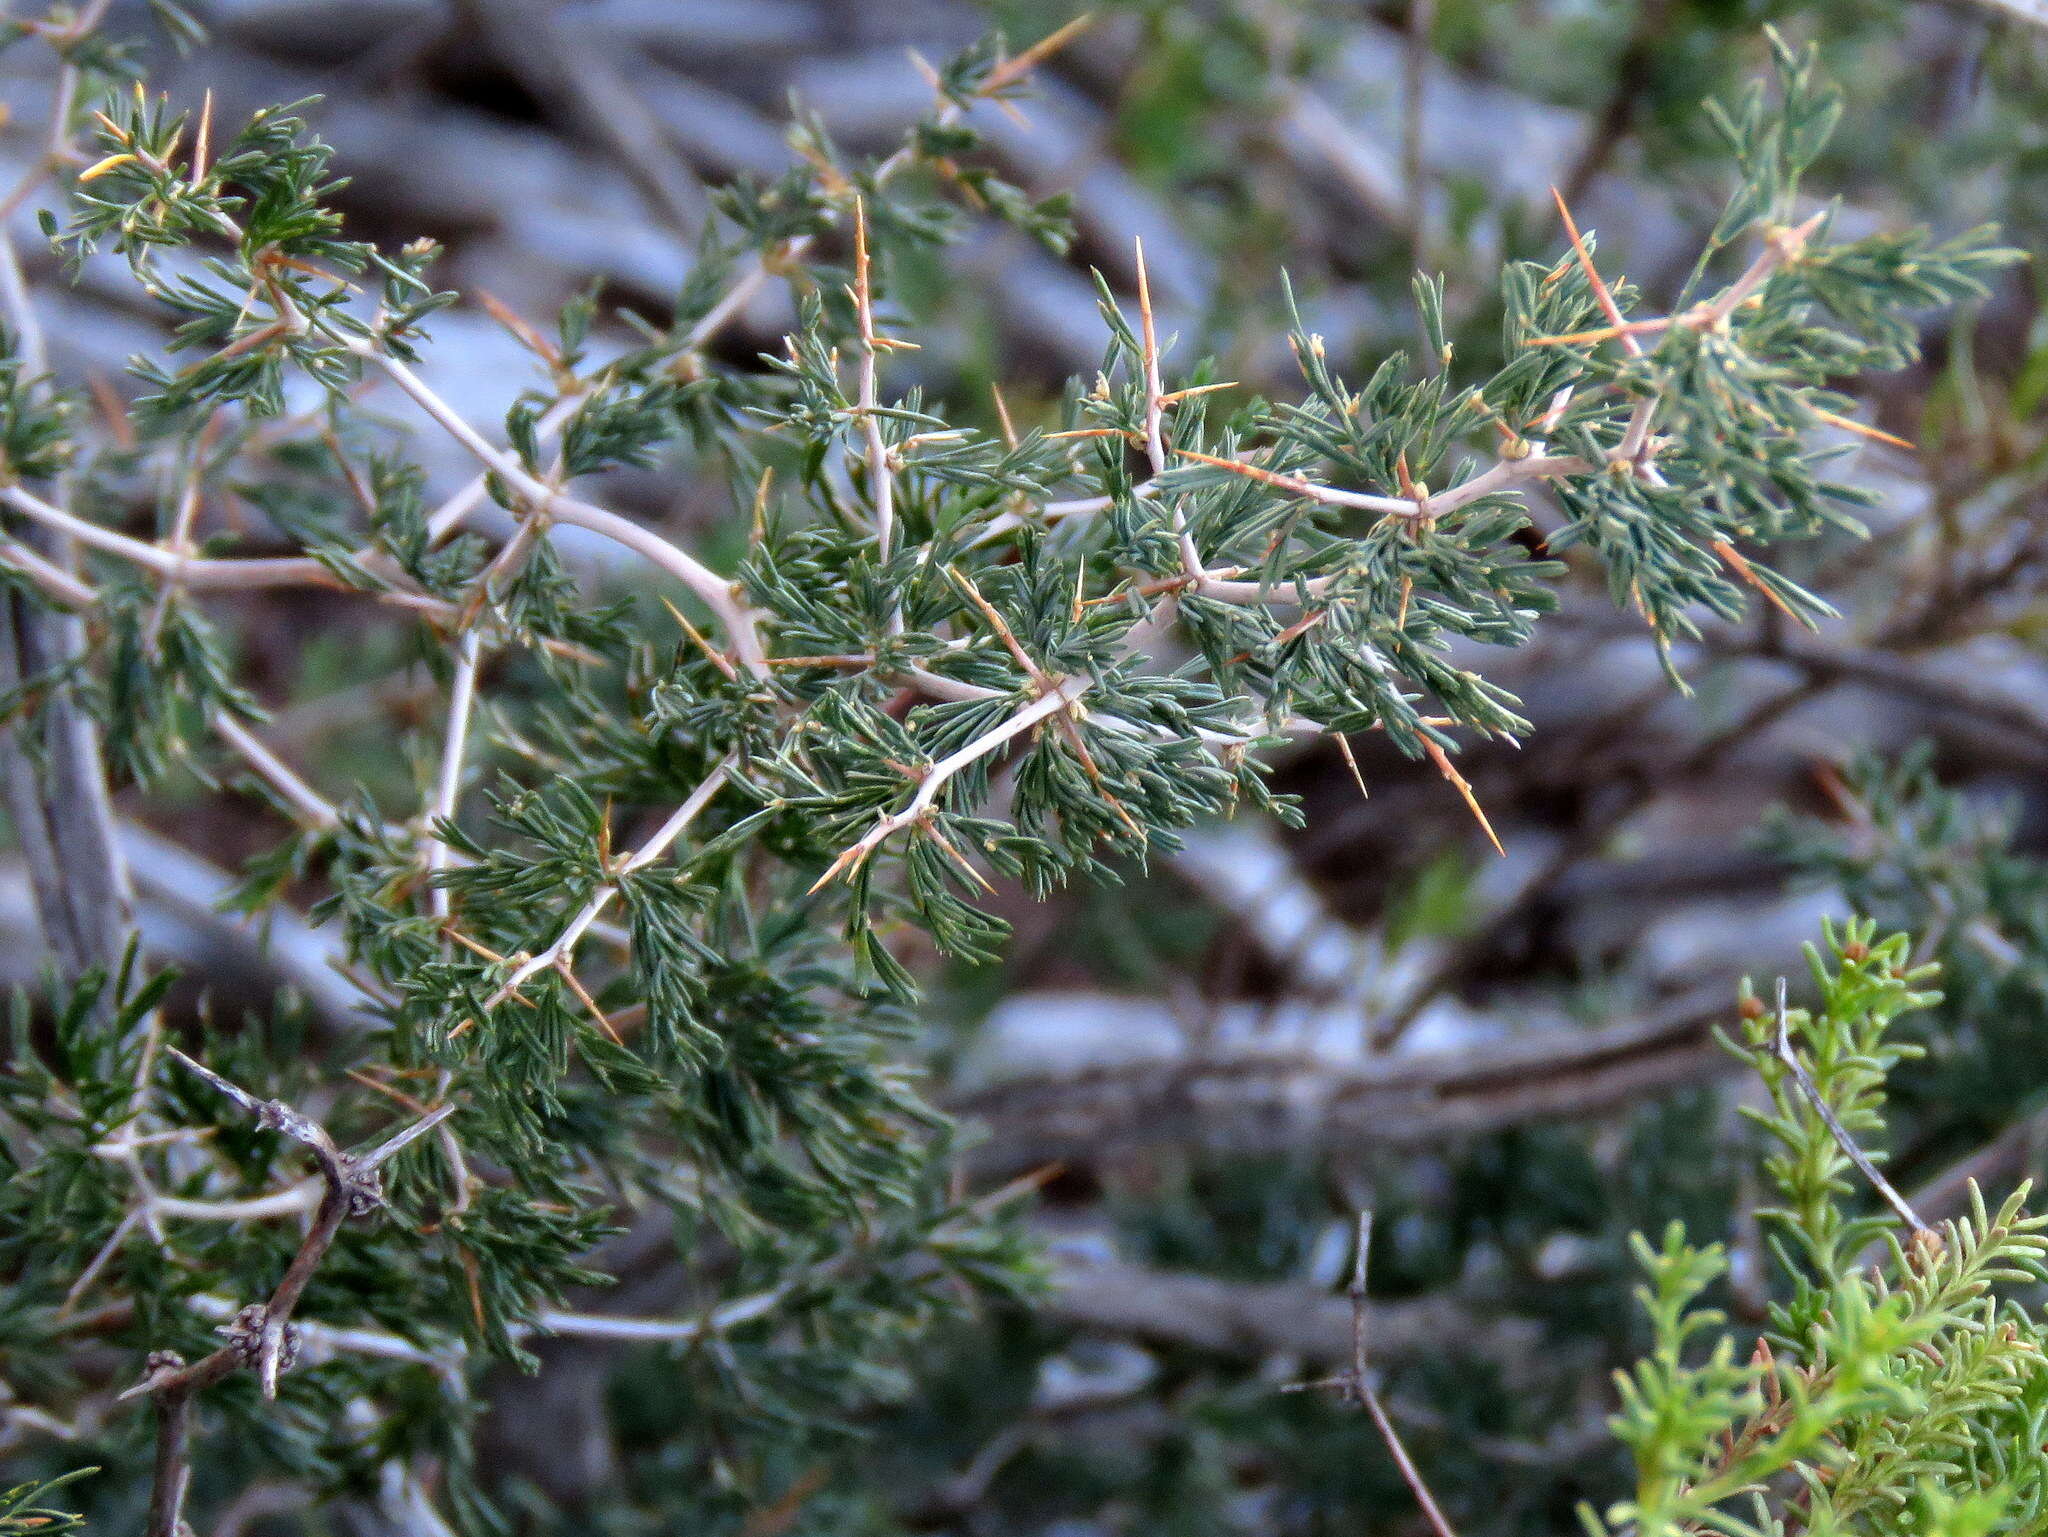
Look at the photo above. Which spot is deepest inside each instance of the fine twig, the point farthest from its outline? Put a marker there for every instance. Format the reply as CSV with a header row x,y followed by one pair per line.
x,y
1855,1154
1356,1384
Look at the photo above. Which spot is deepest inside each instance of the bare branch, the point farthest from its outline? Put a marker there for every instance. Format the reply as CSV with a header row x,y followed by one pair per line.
x,y
711,590
260,1336
1258,1102
448,786
56,794
1356,1384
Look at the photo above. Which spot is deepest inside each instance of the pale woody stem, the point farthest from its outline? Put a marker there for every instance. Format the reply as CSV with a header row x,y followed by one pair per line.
x,y
881,476
565,943
1781,248
711,589
759,268
1502,476
273,770
1060,697
448,787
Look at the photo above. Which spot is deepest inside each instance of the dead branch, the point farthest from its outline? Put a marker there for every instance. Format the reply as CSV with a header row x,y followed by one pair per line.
x,y
1251,1321
260,1336
1258,1102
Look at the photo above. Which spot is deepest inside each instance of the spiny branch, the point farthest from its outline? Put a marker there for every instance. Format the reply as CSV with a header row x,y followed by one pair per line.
x,y
260,1336
1059,697
762,266
712,590
881,472
558,954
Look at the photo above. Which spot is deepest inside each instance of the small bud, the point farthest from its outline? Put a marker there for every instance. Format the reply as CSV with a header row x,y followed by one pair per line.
x,y
1855,951
1924,1249
156,1367
245,1330
1751,1007
365,1192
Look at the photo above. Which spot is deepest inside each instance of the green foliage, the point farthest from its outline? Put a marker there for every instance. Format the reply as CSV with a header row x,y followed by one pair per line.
x,y
22,1510
1903,849
1895,1385
1851,1055
642,911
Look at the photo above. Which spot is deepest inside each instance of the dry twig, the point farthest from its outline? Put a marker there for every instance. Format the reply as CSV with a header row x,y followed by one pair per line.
x,y
260,1336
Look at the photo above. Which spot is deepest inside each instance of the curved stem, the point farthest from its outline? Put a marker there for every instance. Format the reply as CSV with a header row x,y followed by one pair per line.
x,y
712,590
